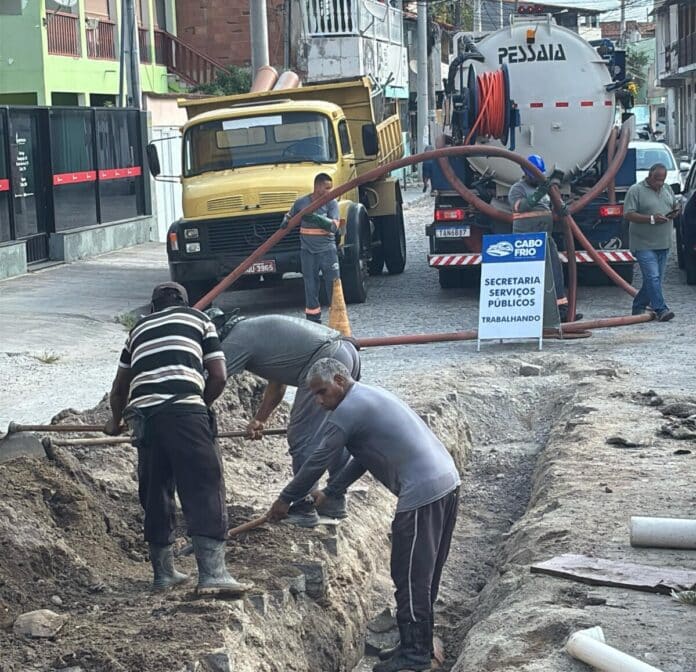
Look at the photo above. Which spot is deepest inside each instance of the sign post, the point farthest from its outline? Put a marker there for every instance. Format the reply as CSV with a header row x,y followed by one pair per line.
x,y
511,302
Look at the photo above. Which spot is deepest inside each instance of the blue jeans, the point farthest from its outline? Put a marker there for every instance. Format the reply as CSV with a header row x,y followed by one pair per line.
x,y
652,267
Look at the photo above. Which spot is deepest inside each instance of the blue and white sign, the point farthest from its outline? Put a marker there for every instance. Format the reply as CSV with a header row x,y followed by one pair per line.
x,y
511,303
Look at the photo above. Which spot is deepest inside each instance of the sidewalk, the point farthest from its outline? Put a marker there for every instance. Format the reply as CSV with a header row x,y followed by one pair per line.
x,y
68,312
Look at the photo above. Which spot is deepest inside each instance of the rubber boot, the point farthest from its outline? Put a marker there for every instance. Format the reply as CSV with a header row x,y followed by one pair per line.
x,y
333,507
213,577
414,653
384,654
166,576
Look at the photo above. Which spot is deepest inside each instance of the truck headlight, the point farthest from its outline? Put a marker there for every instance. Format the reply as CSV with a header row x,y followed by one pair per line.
x,y
191,234
193,247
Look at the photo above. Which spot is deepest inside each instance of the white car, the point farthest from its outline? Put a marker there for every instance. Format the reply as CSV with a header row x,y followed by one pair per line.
x,y
650,153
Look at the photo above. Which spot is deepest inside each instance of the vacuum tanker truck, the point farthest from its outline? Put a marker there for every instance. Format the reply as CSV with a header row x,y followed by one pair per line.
x,y
540,89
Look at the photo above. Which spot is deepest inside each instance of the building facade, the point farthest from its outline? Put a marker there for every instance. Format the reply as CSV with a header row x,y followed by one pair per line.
x,y
675,48
66,52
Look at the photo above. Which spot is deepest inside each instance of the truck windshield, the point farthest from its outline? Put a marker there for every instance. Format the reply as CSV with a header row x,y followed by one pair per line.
x,y
649,157
286,137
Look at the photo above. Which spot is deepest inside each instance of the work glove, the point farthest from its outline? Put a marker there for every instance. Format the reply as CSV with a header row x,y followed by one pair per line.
x,y
286,221
532,201
321,222
556,178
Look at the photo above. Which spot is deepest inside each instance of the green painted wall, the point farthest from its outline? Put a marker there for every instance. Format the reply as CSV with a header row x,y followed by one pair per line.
x,y
27,67
22,52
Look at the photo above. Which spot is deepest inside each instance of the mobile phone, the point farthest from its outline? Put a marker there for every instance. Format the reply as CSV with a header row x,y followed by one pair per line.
x,y
672,213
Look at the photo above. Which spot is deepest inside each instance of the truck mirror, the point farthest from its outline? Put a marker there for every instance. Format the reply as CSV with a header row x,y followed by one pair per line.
x,y
370,140
684,166
153,160
676,188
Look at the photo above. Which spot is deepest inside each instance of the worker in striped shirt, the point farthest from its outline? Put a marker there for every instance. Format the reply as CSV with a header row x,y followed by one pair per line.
x,y
318,253
171,371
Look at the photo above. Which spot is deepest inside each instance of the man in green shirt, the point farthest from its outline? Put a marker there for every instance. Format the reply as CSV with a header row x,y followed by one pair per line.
x,y
650,206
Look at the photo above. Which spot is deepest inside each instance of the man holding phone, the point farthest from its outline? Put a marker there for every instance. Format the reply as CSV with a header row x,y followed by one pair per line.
x,y
650,206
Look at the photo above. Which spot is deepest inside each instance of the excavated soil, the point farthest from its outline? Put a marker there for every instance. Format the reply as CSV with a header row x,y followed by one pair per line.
x,y
547,468
71,533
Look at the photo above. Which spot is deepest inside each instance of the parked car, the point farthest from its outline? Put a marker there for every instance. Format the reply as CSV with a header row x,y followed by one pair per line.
x,y
685,228
650,153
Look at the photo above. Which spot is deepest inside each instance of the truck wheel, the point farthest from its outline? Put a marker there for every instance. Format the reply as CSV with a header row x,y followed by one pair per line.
x,y
355,256
394,241
450,278
197,289
690,267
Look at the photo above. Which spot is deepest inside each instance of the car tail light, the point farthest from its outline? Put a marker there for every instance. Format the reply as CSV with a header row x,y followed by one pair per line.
x,y
173,241
450,215
611,210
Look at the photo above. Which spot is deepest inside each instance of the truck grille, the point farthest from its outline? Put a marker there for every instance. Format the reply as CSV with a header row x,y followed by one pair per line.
x,y
267,198
243,235
227,203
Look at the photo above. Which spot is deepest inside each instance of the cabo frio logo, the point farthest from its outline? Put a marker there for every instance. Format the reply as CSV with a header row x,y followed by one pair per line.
x,y
531,53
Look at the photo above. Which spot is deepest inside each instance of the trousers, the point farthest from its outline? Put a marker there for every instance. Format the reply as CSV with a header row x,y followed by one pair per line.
x,y
179,454
420,545
314,263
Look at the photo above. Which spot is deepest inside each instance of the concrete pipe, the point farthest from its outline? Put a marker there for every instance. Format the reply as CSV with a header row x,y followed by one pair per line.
x,y
288,80
589,647
264,79
663,532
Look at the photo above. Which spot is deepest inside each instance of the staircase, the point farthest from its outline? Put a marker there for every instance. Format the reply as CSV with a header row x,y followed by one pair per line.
x,y
188,64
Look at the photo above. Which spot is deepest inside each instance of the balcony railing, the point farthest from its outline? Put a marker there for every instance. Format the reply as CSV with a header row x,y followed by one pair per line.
x,y
687,50
101,39
366,18
190,65
63,35
144,45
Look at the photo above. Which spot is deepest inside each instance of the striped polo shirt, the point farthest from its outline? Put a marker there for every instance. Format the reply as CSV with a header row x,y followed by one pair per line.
x,y
166,353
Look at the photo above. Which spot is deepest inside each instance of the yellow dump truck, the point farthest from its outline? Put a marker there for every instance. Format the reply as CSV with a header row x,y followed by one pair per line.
x,y
246,158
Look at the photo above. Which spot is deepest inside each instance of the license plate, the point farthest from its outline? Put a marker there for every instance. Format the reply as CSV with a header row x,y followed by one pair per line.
x,y
453,232
260,267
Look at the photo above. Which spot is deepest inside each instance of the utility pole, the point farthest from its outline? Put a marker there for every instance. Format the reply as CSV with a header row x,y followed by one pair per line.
x,y
622,25
422,74
129,71
258,33
477,16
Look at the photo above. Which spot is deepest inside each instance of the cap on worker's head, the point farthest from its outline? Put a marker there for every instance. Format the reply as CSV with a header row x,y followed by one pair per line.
x,y
536,161
169,290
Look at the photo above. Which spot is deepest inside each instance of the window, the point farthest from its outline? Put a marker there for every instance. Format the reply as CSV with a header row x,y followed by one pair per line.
x,y
288,137
649,157
344,138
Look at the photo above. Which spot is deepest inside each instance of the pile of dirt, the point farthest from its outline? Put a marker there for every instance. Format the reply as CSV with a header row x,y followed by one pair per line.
x,y
72,533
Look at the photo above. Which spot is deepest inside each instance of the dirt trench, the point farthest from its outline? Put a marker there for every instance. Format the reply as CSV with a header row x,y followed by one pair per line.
x,y
538,479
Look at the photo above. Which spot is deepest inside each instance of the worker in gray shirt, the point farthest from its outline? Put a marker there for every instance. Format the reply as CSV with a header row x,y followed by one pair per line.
x,y
387,438
282,349
650,206
318,251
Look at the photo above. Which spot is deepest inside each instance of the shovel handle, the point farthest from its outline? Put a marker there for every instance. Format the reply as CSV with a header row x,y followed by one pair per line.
x,y
15,427
245,527
107,441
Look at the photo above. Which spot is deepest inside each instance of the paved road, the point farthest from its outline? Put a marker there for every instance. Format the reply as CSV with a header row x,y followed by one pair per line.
x,y
68,312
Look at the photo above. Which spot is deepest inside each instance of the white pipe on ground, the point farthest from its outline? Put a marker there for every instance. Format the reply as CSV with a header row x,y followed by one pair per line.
x,y
663,532
589,647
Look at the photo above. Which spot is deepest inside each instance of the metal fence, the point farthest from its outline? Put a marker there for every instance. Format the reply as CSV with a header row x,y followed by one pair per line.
x,y
364,18
65,168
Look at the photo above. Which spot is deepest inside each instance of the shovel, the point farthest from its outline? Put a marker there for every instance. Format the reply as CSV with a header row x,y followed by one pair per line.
x,y
233,532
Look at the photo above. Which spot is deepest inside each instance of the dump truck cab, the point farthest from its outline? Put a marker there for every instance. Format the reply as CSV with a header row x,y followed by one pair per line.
x,y
247,158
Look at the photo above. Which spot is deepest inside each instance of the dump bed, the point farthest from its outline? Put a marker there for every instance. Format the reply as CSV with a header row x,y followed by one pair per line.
x,y
353,96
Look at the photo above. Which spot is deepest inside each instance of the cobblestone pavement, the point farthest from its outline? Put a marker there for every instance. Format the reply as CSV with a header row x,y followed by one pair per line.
x,y
69,311
414,303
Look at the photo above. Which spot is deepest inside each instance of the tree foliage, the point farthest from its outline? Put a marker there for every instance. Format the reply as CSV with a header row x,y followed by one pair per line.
x,y
637,63
233,80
